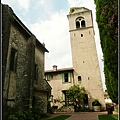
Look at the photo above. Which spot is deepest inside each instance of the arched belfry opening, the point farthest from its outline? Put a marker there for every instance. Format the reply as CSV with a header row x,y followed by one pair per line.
x,y
80,22
77,24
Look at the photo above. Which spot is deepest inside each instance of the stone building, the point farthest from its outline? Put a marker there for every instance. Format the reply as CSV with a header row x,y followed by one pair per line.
x,y
85,71
23,80
60,80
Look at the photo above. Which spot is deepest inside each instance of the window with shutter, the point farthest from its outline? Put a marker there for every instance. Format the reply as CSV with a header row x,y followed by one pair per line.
x,y
47,77
66,77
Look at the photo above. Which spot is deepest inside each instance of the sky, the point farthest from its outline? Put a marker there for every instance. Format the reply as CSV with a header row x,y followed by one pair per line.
x,y
47,20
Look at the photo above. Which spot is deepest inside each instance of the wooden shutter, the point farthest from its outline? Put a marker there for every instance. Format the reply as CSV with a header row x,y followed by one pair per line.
x,y
48,77
63,78
69,78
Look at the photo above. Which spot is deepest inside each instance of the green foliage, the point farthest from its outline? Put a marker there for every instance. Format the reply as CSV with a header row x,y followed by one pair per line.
x,y
33,114
107,19
7,110
12,117
75,93
108,117
96,103
72,9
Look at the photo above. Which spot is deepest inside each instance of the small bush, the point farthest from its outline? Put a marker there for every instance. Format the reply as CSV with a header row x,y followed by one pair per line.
x,y
96,103
12,117
33,114
72,9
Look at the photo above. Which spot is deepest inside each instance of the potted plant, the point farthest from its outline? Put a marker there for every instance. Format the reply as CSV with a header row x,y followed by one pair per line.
x,y
96,105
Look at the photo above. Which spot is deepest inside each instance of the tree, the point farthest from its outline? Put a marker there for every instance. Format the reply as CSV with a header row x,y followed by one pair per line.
x,y
107,19
76,94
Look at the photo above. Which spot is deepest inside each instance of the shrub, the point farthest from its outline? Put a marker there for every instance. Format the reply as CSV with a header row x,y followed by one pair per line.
x,y
12,117
33,114
96,103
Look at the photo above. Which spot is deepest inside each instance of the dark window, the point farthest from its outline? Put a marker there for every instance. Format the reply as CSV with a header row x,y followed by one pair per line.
x,y
36,72
86,99
77,24
13,60
66,77
51,76
79,78
82,23
33,101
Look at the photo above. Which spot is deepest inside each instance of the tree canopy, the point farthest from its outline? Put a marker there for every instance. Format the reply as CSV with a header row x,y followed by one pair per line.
x,y
107,19
76,93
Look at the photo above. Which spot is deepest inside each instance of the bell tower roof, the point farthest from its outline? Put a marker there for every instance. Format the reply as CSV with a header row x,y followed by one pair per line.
x,y
78,9
79,17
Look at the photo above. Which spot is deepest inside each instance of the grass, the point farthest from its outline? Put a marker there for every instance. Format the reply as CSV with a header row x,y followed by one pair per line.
x,y
108,117
116,110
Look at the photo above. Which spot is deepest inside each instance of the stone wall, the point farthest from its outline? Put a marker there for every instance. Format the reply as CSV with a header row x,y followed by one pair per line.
x,y
21,50
84,55
41,87
6,24
17,83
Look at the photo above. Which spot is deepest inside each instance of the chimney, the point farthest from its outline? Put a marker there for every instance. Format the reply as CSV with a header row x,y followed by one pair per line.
x,y
43,44
54,67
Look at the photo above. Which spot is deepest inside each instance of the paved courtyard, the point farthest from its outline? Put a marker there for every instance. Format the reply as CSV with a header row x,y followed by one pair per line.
x,y
81,115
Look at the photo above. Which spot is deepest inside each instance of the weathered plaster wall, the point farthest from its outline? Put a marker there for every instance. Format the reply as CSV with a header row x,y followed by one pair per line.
x,y
17,84
58,86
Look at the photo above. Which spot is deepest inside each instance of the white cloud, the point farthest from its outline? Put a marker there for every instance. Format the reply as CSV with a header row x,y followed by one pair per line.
x,y
81,3
42,1
17,4
24,4
55,34
74,3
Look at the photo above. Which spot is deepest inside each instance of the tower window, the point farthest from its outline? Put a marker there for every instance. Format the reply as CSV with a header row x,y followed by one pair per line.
x,y
77,24
82,23
81,35
79,78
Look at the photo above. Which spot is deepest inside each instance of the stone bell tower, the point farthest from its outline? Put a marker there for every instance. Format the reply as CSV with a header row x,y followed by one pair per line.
x,y
84,54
